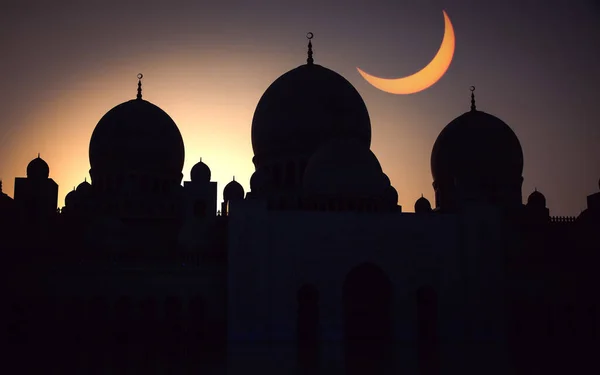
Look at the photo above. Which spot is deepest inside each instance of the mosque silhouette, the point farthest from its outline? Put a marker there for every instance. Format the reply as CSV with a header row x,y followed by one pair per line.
x,y
316,270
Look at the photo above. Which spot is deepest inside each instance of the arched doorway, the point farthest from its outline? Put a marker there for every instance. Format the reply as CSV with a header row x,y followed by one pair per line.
x,y
367,300
198,344
427,341
307,329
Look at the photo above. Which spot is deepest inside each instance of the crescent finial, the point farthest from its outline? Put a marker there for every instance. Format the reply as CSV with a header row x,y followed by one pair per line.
x,y
139,90
310,59
473,107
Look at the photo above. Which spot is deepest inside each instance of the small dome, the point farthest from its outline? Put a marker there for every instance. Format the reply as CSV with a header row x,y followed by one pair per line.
x,y
233,191
391,196
38,169
537,200
70,198
137,136
422,205
260,180
476,146
84,188
345,168
200,172
306,107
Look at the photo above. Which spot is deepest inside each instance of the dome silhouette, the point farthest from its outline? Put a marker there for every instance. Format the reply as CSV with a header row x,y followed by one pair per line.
x,y
233,191
476,146
536,199
38,169
260,180
305,108
345,168
70,198
137,137
422,205
84,187
391,195
200,172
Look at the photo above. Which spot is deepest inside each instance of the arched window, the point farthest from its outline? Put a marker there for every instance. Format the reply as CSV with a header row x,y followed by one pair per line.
x,y
427,340
302,168
198,342
277,175
308,327
290,174
200,209
148,335
123,331
367,307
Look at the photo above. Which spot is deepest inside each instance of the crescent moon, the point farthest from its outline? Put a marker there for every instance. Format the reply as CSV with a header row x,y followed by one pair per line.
x,y
427,76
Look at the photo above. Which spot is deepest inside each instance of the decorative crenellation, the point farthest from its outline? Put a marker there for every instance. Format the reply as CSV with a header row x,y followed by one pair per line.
x,y
563,219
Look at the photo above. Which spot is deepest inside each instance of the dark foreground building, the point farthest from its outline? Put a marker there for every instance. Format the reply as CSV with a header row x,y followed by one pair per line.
x,y
316,270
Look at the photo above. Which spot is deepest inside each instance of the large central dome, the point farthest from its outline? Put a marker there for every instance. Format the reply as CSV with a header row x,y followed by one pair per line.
x,y
303,109
136,137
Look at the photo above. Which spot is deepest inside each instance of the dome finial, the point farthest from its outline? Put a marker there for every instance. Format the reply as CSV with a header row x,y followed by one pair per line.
x,y
38,155
0,185
85,179
310,60
233,178
139,92
200,158
473,107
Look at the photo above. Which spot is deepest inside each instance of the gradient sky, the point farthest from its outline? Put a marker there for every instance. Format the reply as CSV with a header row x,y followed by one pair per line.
x,y
64,64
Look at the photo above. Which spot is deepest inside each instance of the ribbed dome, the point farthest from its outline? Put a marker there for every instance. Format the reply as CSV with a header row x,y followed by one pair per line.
x,y
422,205
345,168
38,169
137,136
305,108
233,191
200,172
536,199
476,146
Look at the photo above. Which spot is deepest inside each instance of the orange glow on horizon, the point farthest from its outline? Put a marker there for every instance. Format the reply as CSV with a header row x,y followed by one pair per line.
x,y
427,76
214,115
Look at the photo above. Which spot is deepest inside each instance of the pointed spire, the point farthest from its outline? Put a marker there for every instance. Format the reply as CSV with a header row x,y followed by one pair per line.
x,y
421,195
139,92
85,179
310,60
38,155
233,178
200,158
473,107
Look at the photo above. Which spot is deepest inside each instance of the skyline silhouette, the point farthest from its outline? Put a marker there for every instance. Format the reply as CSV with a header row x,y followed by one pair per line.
x,y
207,72
317,268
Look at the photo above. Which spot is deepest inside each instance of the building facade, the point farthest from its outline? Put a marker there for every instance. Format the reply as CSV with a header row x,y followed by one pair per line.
x,y
316,270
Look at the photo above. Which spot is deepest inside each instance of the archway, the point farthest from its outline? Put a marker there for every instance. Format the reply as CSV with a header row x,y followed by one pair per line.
x,y
427,341
307,328
367,302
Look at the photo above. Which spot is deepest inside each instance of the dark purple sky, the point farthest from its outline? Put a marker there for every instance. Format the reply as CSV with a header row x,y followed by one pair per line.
x,y
535,65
